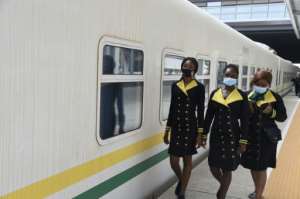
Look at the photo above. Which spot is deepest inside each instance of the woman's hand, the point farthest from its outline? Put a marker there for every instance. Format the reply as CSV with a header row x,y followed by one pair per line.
x,y
198,143
243,148
201,142
166,138
252,106
268,109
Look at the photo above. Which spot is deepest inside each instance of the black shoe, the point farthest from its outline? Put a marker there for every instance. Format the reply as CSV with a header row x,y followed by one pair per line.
x,y
178,188
182,196
252,195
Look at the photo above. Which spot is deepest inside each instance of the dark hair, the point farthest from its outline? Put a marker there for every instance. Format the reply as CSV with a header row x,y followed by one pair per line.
x,y
262,74
191,59
233,66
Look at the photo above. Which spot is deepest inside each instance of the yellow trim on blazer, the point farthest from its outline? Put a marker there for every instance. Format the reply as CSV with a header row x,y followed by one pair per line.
x,y
268,98
274,113
184,88
234,96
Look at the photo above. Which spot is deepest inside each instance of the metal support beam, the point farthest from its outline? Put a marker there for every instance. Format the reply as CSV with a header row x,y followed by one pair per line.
x,y
295,22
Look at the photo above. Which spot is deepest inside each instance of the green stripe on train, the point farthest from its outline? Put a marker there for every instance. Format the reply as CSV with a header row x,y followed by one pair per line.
x,y
117,180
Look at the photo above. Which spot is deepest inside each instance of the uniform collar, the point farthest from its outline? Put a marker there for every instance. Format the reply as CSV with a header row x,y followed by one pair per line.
x,y
267,98
234,96
185,88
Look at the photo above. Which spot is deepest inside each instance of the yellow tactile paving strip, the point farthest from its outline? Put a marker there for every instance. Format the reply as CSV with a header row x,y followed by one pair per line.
x,y
284,182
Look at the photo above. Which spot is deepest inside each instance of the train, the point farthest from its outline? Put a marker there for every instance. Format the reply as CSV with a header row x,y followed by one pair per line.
x,y
85,91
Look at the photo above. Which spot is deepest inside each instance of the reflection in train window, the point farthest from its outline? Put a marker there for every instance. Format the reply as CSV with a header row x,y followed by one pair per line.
x,y
166,99
245,70
245,78
203,76
276,77
244,83
121,98
172,65
172,73
205,82
220,74
252,71
204,67
126,61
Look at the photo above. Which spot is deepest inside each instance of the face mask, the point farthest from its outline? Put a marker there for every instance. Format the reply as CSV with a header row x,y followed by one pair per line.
x,y
259,89
187,72
228,81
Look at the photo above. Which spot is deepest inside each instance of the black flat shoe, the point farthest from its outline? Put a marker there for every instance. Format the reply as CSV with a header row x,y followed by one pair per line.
x,y
252,195
178,188
181,196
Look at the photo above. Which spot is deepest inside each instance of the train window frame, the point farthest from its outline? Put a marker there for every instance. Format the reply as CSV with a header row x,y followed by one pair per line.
x,y
167,52
104,78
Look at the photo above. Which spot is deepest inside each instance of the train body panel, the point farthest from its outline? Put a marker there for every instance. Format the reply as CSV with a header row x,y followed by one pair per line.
x,y
51,76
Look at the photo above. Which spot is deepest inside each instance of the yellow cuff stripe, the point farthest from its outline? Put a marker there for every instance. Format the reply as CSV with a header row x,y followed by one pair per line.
x,y
243,141
200,130
273,114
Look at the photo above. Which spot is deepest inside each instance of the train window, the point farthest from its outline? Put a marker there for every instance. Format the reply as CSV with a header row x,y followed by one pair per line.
x,y
121,98
245,78
252,71
172,73
244,84
204,67
245,70
172,65
126,61
220,75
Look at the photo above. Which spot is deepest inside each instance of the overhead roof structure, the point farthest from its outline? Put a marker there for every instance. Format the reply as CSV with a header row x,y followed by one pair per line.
x,y
294,10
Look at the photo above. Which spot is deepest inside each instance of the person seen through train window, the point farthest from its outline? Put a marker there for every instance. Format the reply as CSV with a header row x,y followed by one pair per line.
x,y
185,122
112,109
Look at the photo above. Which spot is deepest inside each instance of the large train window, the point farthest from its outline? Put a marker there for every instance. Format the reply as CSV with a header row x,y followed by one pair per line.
x,y
220,74
203,76
171,73
245,78
121,91
251,75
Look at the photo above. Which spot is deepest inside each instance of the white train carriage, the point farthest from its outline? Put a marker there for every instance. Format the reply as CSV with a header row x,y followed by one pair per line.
x,y
58,101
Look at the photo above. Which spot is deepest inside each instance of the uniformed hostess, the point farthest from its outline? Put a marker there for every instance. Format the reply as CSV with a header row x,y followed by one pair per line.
x,y
185,122
227,120
266,107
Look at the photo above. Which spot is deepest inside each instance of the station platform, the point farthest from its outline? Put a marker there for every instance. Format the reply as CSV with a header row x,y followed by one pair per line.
x,y
283,182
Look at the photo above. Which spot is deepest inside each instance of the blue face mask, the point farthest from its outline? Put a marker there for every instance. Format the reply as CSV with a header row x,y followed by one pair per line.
x,y
259,89
228,81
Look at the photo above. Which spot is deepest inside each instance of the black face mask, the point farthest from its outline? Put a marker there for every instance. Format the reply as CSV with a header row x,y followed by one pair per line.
x,y
186,72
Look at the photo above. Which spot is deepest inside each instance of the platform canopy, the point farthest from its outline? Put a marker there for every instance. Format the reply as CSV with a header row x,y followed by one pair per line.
x,y
294,10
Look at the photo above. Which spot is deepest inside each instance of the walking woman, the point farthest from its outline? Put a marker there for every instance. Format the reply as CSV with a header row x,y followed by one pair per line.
x,y
183,124
228,111
266,107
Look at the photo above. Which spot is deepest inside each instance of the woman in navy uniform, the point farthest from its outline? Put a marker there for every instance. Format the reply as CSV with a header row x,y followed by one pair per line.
x,y
266,107
228,113
185,122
